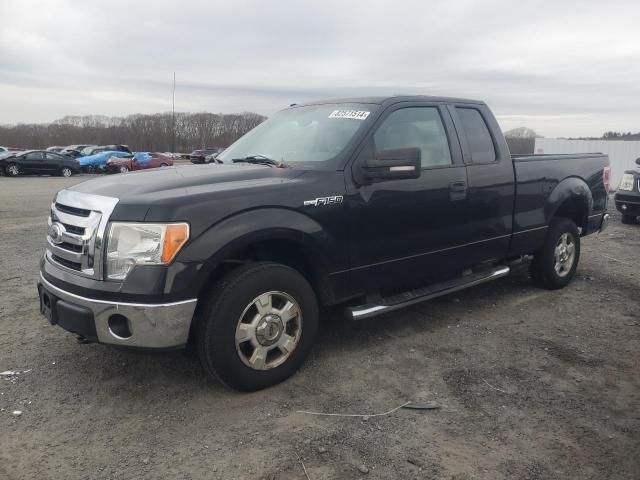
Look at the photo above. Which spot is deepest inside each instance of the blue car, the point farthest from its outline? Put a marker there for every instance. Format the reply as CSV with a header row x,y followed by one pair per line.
x,y
91,163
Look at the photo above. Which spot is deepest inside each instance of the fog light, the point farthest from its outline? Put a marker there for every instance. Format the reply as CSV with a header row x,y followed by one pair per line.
x,y
623,206
119,326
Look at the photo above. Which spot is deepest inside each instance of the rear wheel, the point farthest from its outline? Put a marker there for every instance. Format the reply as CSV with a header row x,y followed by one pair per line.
x,y
629,219
123,169
12,170
555,265
66,172
162,165
257,326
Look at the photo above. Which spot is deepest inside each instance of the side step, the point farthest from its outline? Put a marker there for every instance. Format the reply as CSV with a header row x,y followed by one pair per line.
x,y
405,299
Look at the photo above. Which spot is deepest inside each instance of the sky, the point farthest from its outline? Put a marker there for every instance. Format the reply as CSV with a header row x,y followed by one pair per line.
x,y
563,68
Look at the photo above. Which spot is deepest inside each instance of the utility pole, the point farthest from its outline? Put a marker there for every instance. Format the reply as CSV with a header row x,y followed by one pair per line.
x,y
173,116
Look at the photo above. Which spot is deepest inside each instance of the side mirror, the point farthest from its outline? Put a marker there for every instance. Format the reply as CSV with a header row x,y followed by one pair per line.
x,y
637,161
393,164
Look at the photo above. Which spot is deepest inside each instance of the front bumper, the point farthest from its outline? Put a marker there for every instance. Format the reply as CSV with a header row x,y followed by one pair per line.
x,y
628,203
124,324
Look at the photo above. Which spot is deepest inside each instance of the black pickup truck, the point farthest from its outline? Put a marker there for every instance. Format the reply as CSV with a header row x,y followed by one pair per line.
x,y
374,203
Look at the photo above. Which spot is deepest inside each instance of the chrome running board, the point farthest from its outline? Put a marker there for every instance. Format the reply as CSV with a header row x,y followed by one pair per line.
x,y
401,300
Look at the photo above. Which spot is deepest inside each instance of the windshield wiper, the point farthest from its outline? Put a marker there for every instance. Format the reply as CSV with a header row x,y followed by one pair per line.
x,y
260,160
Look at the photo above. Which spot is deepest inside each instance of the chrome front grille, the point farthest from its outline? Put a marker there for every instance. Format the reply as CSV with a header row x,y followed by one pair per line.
x,y
77,225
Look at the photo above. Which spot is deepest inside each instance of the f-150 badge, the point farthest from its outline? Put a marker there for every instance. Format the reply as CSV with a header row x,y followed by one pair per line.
x,y
320,201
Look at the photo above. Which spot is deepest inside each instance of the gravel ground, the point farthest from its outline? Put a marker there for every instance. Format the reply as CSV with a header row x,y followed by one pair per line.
x,y
532,384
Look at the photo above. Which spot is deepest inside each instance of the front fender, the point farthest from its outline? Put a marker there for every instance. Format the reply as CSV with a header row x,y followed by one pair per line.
x,y
241,230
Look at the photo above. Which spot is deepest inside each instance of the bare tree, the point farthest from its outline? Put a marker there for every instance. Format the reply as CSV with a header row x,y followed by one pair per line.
x,y
141,132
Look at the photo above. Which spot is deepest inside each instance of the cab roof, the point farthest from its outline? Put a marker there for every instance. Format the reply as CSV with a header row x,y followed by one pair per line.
x,y
392,99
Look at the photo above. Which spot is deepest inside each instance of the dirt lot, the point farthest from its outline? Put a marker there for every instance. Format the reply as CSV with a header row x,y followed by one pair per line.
x,y
532,384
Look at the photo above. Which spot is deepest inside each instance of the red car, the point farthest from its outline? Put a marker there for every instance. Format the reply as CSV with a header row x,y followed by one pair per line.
x,y
138,161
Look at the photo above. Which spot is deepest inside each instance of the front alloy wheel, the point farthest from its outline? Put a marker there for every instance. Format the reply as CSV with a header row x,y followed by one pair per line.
x,y
268,330
66,172
123,169
256,326
12,170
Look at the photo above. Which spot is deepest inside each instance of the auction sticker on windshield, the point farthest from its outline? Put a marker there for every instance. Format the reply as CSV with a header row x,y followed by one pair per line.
x,y
354,114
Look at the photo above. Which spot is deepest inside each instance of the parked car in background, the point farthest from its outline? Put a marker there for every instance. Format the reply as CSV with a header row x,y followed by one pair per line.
x,y
75,148
139,161
55,149
97,162
627,196
200,156
38,162
4,150
71,153
93,149
213,157
78,146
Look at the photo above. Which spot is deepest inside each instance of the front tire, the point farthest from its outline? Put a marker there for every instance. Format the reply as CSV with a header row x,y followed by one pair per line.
x,y
629,219
257,326
12,170
123,169
66,172
555,265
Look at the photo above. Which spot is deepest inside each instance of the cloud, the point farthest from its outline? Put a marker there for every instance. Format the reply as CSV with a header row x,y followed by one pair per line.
x,y
562,68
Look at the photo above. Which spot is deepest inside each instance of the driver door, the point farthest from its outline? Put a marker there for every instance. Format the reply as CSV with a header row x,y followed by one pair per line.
x,y
408,231
33,162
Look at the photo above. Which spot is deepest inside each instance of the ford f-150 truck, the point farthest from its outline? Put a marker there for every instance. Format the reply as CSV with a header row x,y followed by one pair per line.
x,y
374,203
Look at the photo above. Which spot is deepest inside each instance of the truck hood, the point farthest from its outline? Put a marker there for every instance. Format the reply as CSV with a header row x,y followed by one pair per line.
x,y
163,184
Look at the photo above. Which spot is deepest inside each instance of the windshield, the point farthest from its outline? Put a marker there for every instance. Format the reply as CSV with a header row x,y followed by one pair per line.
x,y
313,133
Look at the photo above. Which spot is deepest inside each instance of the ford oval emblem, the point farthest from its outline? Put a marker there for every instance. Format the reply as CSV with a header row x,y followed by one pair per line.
x,y
55,233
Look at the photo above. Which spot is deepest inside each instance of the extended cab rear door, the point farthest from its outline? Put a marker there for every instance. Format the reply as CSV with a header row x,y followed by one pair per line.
x,y
405,231
491,182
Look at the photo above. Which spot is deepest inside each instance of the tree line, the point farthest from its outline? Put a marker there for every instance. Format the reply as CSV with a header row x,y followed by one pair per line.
x,y
157,132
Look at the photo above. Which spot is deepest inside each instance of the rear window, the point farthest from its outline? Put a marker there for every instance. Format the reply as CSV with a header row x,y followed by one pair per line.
x,y
478,136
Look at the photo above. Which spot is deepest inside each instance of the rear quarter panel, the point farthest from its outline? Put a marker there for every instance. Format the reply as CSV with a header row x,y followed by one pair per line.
x,y
543,184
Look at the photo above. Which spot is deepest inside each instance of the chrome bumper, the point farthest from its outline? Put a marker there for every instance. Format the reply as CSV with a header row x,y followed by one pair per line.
x,y
150,325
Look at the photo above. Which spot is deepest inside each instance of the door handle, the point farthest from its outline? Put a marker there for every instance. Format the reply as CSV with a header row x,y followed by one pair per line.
x,y
458,186
457,190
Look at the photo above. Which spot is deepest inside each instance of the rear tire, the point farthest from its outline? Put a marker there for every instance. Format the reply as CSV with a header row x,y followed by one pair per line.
x,y
256,326
123,169
555,265
629,219
12,170
66,172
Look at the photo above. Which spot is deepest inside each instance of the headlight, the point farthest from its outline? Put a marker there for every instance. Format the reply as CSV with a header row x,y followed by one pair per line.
x,y
130,244
627,182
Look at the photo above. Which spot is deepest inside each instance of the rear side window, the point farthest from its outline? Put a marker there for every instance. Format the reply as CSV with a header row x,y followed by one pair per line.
x,y
478,136
419,127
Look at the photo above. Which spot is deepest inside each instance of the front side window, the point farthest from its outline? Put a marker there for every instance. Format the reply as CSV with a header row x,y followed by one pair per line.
x,y
478,136
419,127
312,133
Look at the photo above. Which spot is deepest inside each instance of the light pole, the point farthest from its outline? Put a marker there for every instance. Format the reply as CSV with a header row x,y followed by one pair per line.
x,y
173,116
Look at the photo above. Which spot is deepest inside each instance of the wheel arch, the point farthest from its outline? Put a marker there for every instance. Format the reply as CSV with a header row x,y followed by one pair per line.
x,y
572,199
258,235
